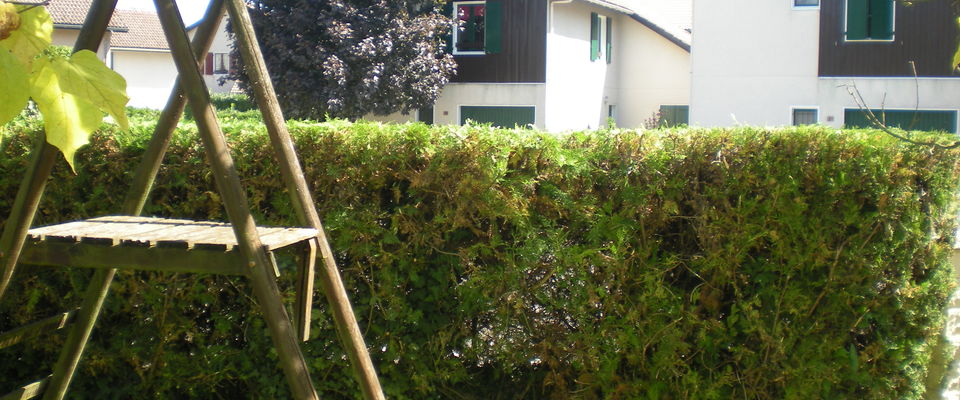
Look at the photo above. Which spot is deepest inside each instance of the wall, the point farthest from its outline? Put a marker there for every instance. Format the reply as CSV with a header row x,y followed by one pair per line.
x,y
887,93
578,90
522,54
751,60
655,72
923,33
68,37
149,75
447,108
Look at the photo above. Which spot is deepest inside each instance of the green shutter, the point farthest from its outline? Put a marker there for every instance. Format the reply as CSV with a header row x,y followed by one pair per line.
x,y
671,116
905,119
493,21
448,38
881,19
609,40
500,116
857,19
594,36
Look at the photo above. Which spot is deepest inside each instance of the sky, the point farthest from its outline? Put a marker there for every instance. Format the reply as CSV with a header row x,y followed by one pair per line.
x,y
191,10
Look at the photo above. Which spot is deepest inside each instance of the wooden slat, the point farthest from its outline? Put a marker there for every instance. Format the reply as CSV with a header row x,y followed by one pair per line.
x,y
61,254
166,232
304,303
53,323
27,391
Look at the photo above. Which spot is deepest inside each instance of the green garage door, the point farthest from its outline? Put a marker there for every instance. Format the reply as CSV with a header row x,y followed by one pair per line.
x,y
905,119
500,116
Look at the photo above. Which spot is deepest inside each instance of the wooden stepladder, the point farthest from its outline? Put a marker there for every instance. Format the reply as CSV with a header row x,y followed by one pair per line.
x,y
132,242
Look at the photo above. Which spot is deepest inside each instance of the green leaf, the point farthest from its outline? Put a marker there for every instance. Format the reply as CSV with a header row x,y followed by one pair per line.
x,y
14,87
34,35
956,56
85,76
68,120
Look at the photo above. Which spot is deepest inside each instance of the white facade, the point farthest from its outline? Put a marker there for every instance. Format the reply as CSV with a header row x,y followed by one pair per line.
x,y
150,75
447,108
754,61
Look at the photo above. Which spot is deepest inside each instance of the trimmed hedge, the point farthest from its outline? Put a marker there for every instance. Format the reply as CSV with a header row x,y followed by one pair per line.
x,y
497,264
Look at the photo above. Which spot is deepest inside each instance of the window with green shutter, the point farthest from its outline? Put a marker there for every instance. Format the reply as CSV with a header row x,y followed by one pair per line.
x,y
500,116
870,19
920,120
478,28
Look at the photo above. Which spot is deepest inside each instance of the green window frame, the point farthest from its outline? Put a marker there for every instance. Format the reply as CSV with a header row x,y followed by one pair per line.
x,y
674,115
919,120
477,27
499,116
870,20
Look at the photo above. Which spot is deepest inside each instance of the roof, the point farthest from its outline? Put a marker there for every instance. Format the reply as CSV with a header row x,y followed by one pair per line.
x,y
131,29
73,13
672,19
143,31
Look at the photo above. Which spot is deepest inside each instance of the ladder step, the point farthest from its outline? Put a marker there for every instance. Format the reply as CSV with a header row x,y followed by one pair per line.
x,y
17,335
28,391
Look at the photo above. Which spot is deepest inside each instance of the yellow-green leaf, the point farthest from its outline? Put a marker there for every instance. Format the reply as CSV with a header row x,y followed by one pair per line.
x,y
34,35
67,119
84,75
956,56
14,87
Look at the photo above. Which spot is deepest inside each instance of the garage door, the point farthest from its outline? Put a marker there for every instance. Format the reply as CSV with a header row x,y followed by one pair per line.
x,y
500,116
905,119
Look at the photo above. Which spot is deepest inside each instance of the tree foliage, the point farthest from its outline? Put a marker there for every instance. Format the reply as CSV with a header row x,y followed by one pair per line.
x,y
349,58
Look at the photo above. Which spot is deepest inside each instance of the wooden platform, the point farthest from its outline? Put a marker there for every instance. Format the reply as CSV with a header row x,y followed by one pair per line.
x,y
156,244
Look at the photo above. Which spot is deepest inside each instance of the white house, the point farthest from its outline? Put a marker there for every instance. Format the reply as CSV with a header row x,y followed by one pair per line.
x,y
134,46
783,62
566,64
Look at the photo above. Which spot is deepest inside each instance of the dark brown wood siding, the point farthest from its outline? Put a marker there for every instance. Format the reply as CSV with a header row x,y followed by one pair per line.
x,y
925,33
524,53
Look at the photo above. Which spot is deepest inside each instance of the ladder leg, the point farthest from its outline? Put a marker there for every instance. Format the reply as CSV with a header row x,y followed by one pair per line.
x,y
99,285
333,289
24,209
228,182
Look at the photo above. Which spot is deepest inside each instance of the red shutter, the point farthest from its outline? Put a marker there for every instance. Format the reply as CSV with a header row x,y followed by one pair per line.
x,y
208,65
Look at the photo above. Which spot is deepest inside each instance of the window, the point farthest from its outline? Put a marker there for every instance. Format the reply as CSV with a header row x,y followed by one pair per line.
x,y
806,3
870,20
478,27
920,120
601,34
500,116
805,116
671,116
217,63
221,63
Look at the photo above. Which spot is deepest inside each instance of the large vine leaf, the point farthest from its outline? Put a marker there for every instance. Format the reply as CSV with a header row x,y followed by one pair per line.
x,y
34,35
956,56
85,76
68,120
14,89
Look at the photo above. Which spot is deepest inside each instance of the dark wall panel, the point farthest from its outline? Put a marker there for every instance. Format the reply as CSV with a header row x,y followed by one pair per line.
x,y
925,33
524,52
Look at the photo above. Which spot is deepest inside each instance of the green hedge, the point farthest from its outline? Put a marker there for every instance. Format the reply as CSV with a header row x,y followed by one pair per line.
x,y
499,264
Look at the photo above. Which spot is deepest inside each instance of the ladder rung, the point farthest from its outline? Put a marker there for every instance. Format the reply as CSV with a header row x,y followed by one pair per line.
x,y
28,391
17,335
